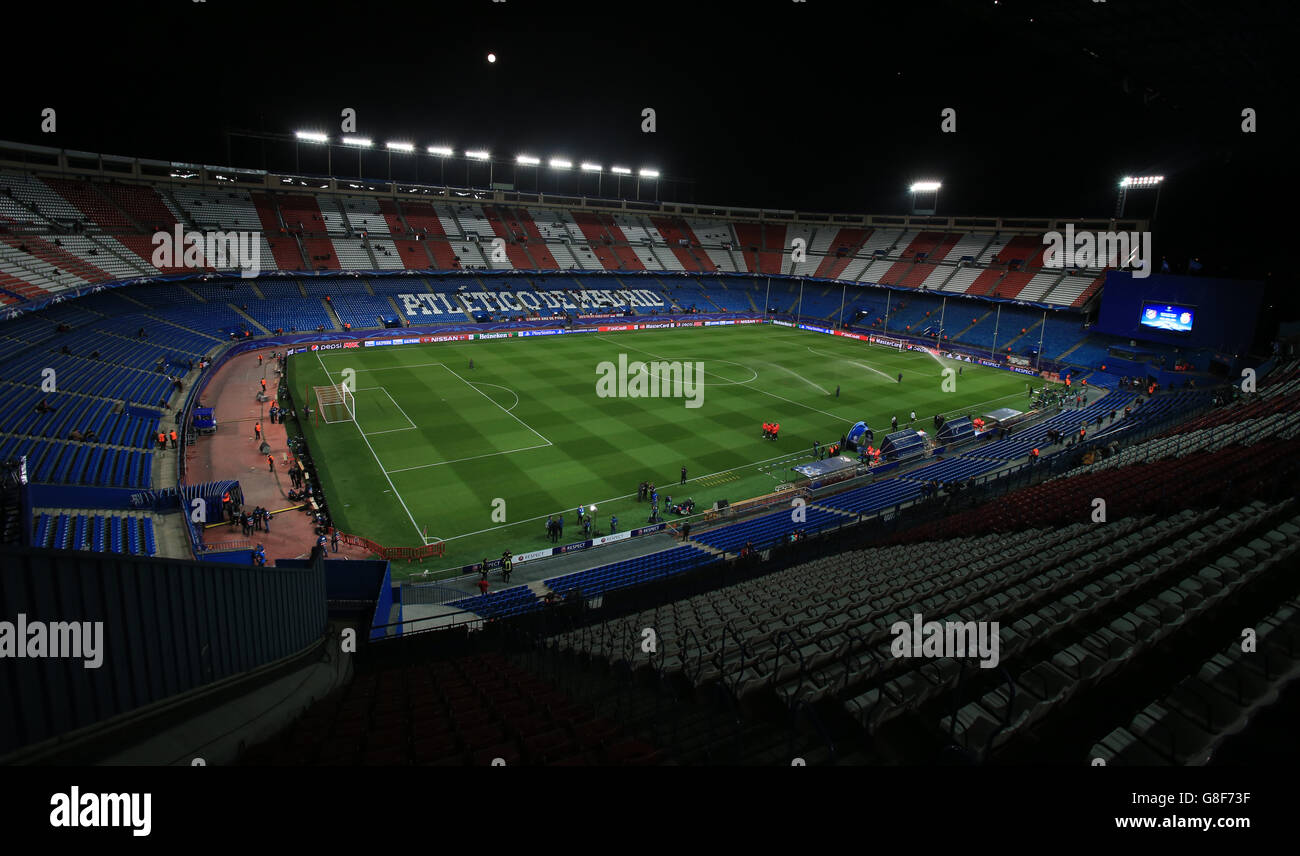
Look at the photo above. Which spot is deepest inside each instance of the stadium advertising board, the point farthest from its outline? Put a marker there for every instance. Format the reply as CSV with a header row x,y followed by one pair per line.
x,y
535,554
577,545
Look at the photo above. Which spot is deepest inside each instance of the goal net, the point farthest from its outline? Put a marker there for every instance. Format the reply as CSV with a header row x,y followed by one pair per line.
x,y
335,403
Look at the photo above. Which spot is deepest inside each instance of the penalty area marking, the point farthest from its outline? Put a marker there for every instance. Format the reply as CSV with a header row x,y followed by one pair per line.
x,y
494,404
408,419
378,463
473,458
498,386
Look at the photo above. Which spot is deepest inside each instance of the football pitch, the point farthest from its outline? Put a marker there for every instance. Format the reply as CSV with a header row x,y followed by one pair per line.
x,y
479,457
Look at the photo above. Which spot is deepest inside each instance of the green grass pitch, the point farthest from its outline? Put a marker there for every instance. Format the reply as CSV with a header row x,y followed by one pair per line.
x,y
524,434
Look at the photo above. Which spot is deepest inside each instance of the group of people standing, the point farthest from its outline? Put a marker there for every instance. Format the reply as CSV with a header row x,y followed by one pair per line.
x,y
555,528
507,565
252,520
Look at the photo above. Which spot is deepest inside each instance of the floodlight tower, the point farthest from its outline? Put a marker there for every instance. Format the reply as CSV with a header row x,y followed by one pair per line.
x,y
361,144
1138,182
587,166
313,137
620,171
405,148
926,189
560,165
442,153
528,160
478,155
648,175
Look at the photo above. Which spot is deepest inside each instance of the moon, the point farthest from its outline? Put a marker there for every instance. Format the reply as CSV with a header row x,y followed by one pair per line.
x,y
492,57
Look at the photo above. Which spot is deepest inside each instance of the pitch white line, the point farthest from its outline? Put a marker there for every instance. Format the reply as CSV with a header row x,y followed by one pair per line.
x,y
746,383
616,498
366,440
399,407
855,362
499,386
390,368
494,404
815,386
385,391
474,458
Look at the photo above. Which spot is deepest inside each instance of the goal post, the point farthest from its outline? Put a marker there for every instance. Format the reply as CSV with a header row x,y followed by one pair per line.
x,y
335,403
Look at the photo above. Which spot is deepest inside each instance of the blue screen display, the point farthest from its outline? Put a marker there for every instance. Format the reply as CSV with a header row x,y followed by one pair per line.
x,y
1166,316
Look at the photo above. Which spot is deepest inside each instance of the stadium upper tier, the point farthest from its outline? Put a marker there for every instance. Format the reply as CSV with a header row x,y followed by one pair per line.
x,y
64,232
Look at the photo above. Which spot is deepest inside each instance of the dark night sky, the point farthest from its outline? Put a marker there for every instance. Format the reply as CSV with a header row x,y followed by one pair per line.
x,y
828,106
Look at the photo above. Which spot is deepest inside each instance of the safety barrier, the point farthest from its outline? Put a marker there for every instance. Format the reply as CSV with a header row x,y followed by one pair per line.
x,y
410,554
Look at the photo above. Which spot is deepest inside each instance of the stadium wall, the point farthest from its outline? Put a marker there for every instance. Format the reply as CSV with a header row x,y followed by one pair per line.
x,y
228,557
82,496
165,627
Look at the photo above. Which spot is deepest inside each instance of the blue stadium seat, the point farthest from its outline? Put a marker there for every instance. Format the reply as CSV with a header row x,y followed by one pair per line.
x,y
61,532
79,540
44,530
91,474
150,544
133,534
